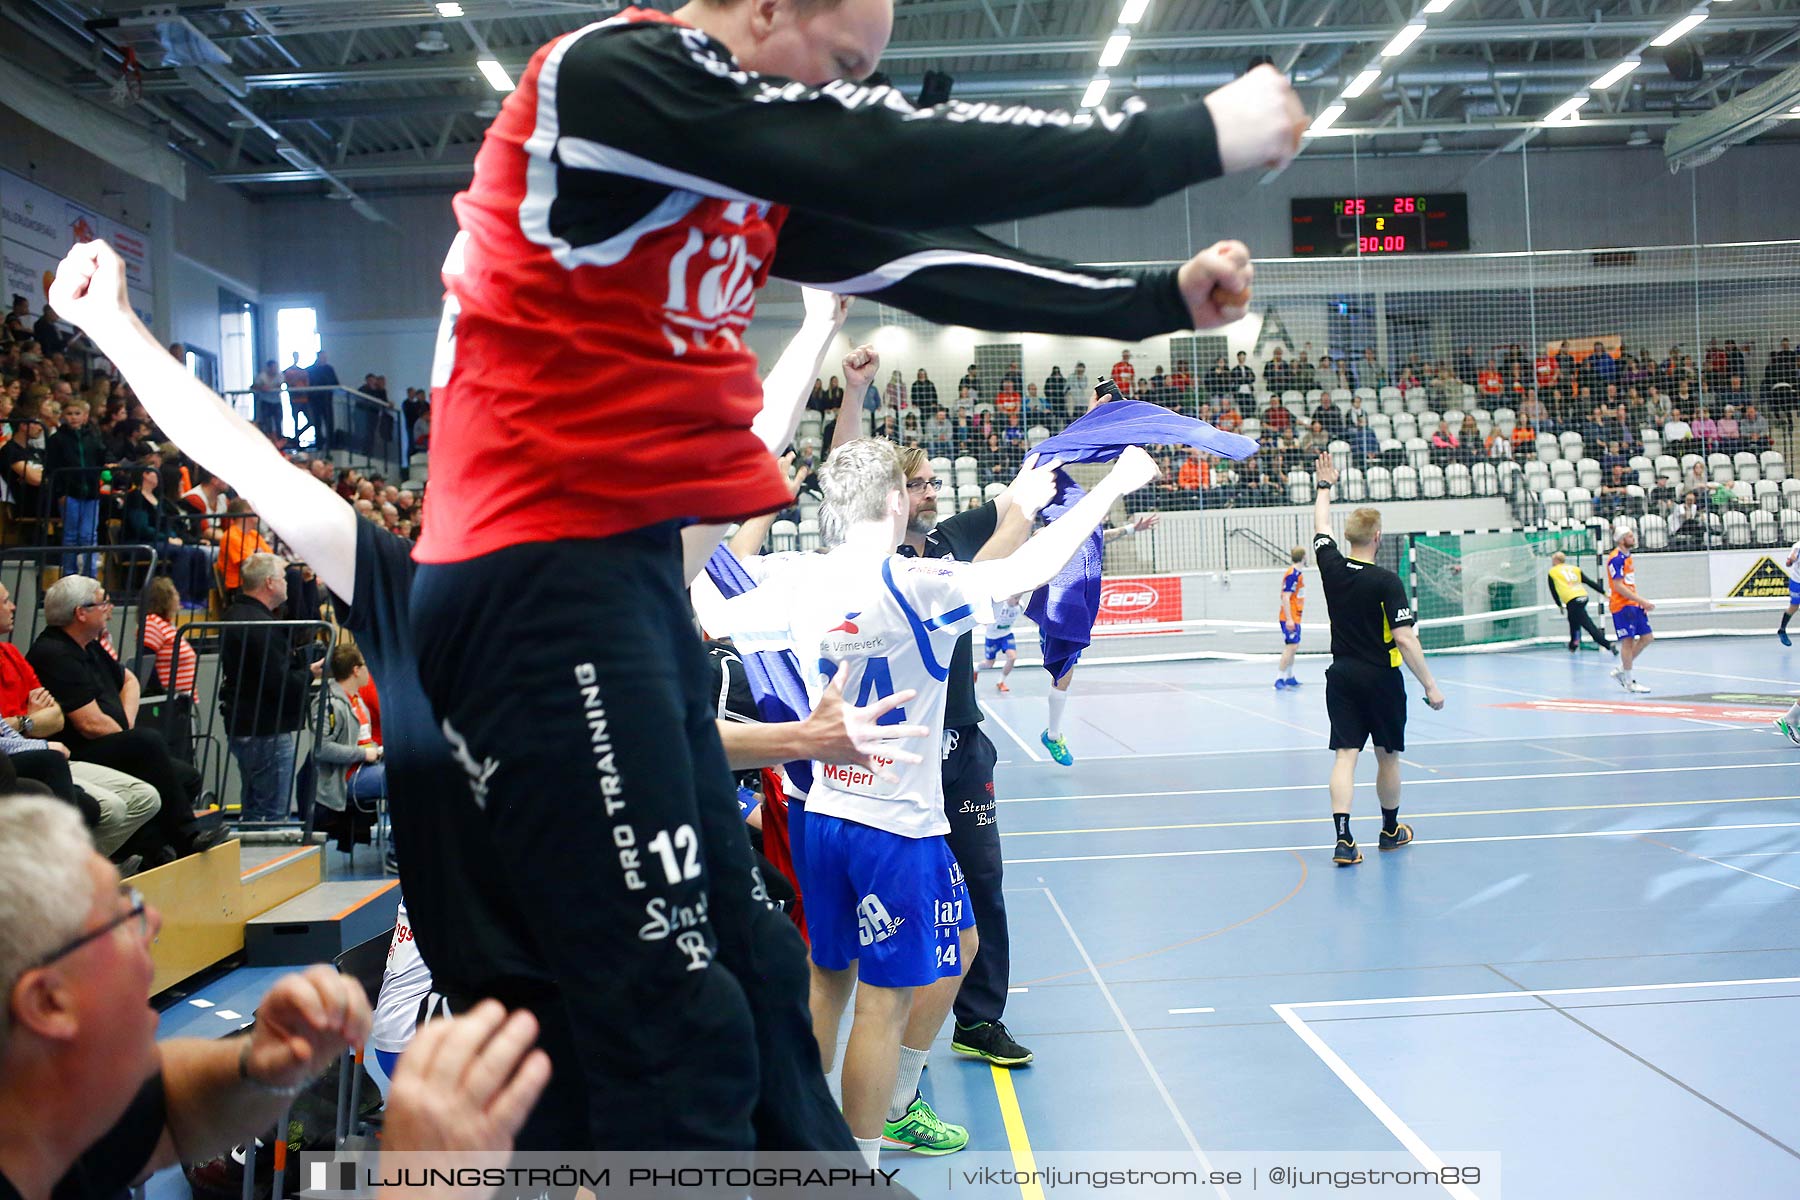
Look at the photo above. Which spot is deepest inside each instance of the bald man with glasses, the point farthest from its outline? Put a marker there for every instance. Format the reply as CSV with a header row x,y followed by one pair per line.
x,y
91,1102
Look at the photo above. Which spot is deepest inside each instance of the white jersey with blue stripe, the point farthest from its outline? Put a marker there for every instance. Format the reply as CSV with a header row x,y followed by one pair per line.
x,y
894,621
1005,613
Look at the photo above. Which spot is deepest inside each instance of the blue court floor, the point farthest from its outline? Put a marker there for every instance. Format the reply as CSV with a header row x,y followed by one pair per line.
x,y
1588,964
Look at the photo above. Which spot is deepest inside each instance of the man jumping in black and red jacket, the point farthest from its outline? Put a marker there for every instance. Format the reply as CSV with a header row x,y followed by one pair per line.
x,y
593,392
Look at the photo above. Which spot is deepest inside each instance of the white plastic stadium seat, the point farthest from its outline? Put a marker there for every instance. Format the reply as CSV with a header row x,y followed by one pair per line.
x,y
941,467
1772,465
968,471
1381,425
1431,481
1652,440
784,536
1340,397
1719,467
1300,487
1556,506
1036,434
1457,481
1406,427
1655,532
1737,528
1389,393
1742,491
1636,497
1355,486
1645,472
1484,479
1537,477
995,490
1418,453
1562,475
1588,471
1381,483
1764,529
1252,428
1406,483
1768,495
1393,405
1581,504
1570,442
1790,494
1428,421
1547,449
1416,400
1790,524
809,535
1510,474
809,507
1745,466
1340,454
1666,464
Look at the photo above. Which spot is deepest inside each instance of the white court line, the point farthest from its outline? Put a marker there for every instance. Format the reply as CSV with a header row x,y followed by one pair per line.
x,y
225,1014
1013,991
1023,744
1509,837
1786,683
1740,870
1411,783
1176,1012
197,1003
1403,1133
1131,1036
1379,1108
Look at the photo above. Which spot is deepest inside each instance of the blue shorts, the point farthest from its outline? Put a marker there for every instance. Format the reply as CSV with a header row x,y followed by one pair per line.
x,y
1003,644
1794,591
1290,634
894,905
1630,622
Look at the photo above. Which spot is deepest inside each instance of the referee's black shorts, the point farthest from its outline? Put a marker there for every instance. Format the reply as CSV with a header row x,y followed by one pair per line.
x,y
1365,703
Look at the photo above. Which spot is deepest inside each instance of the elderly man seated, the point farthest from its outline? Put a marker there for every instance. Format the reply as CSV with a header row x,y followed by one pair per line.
x,y
99,702
91,1102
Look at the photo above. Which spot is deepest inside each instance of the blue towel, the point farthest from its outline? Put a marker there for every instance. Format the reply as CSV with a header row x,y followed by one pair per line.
x,y
1064,609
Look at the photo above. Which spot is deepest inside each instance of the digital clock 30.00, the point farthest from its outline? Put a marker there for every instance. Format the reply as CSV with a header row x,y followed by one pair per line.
x,y
1386,223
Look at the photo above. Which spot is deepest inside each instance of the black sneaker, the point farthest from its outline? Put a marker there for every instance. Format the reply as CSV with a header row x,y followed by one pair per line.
x,y
1401,836
1347,854
989,1040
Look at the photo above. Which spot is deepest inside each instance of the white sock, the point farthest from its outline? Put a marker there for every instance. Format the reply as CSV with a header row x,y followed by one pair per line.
x,y
1793,714
906,1083
1058,702
871,1151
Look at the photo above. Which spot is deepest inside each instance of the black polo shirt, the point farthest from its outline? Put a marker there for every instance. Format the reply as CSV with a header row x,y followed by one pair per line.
x,y
77,676
961,537
1366,602
111,1165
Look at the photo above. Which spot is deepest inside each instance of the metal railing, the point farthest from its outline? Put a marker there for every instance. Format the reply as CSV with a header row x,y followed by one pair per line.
x,y
342,421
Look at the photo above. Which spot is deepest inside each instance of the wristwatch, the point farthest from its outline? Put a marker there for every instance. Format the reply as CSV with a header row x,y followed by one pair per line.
x,y
1320,483
26,725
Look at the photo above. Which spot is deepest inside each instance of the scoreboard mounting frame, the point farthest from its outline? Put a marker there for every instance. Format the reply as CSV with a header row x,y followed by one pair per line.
x,y
1381,224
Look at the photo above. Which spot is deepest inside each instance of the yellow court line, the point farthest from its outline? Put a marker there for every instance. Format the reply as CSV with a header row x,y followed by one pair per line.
x,y
1478,812
1023,1162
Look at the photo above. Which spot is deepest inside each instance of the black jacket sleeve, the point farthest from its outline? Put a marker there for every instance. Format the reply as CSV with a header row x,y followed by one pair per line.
x,y
962,277
669,105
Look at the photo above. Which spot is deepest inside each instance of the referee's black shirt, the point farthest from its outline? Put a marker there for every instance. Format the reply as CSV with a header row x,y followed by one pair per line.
x,y
1367,603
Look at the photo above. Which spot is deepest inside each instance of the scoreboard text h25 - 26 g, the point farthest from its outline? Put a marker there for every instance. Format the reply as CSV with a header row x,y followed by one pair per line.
x,y
1385,223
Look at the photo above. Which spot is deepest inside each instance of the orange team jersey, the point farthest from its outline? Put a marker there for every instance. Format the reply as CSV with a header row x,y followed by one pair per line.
x,y
1293,596
236,546
1619,567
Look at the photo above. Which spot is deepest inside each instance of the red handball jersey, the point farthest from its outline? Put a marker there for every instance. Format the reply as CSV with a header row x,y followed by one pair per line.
x,y
591,376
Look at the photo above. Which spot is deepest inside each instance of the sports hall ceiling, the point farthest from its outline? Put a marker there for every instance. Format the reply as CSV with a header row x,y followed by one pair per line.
x,y
353,97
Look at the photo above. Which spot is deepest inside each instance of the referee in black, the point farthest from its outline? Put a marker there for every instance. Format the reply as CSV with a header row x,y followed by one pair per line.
x,y
1371,634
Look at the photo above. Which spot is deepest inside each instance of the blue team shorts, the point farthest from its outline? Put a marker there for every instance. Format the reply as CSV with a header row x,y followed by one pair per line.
x,y
997,646
1290,633
1794,591
894,905
1631,621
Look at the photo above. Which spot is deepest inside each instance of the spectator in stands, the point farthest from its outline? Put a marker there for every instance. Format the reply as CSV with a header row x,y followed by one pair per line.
x,y
146,520
1713,370
1228,417
1753,429
1734,394
1243,375
895,391
1278,374
176,659
1488,382
1056,389
1305,372
1731,436
99,702
834,395
94,1102
240,539
1007,399
1218,381
1124,374
971,380
1687,524
264,680
1369,371
1037,409
351,775
73,460
1194,475
938,431
1012,375
1444,387
816,401
1075,400
1329,416
1498,443
23,466
1445,445
1469,438
1658,407
1316,439
924,393
1609,501
1783,369
1706,430
1277,419
1365,447
964,439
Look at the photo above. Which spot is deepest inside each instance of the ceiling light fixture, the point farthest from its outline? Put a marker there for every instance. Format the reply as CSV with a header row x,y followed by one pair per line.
x,y
495,74
1134,11
1438,6
1674,32
1361,83
1327,119
1409,33
1613,76
1096,92
1114,54
1566,111
449,8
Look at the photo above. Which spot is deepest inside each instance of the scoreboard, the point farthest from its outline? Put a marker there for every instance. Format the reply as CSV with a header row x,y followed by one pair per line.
x,y
1346,226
